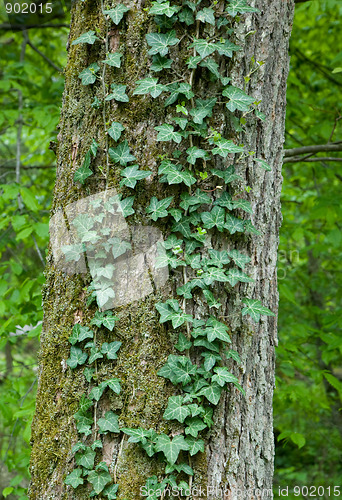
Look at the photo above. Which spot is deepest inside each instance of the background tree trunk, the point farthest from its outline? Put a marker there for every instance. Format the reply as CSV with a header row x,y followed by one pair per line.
x,y
239,453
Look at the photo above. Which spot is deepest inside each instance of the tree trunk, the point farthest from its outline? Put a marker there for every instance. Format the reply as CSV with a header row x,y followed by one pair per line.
x,y
239,447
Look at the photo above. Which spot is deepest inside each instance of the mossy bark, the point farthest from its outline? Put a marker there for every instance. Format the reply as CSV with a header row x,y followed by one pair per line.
x,y
239,452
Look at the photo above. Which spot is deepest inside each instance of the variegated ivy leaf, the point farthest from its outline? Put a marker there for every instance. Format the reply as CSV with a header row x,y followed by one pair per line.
x,y
113,59
171,447
233,224
212,393
88,75
103,295
159,63
236,275
149,86
223,147
167,133
176,410
74,479
239,258
239,7
109,423
118,93
214,218
216,330
194,153
121,154
238,99
88,37
133,175
204,108
117,13
157,209
115,130
223,376
164,8
206,15
160,42
255,309
194,426
263,164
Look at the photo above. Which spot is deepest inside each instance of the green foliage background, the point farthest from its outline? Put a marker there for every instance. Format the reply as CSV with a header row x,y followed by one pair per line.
x,y
307,404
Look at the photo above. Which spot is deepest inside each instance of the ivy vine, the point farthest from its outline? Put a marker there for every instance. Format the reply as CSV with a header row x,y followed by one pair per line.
x,y
199,371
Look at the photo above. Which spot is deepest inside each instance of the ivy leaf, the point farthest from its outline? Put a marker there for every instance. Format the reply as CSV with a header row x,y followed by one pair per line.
x,y
228,175
121,154
255,309
212,66
110,491
77,357
176,410
160,42
233,224
88,75
157,209
167,133
249,228
132,175
194,426
74,478
78,446
223,376
159,63
115,130
109,423
88,374
210,360
178,369
86,458
113,59
204,108
103,295
212,393
113,384
234,355
186,16
99,480
236,275
223,147
199,197
206,16
211,300
171,448
182,122
214,218
239,258
218,258
164,8
88,37
175,174
149,86
238,99
194,153
119,93
239,7
80,333
216,330
226,48
195,445
82,174
214,274
183,343
117,13
243,205
94,355
203,47
139,435
263,164
106,319
111,349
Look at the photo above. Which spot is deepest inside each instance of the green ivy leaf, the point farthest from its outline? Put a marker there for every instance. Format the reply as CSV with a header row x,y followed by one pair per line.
x,y
234,355
115,130
139,435
132,175
203,47
215,218
149,86
103,295
210,360
160,42
109,423
113,384
211,300
239,258
194,426
94,355
234,224
74,478
239,7
107,319
223,376
121,154
117,13
176,410
88,37
228,175
226,48
216,330
96,392
82,174
255,309
238,99
80,333
223,147
78,446
118,93
194,153
195,445
111,349
167,133
214,274
212,393
242,205
263,164
212,66
88,75
77,357
218,258
204,108
111,491
113,59
186,16
198,198
236,276
164,8
86,458
171,448
159,63
206,15
208,345
178,369
157,209
183,343
175,174
99,480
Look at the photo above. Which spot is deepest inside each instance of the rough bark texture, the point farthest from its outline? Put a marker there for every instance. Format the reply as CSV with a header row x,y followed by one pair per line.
x,y
239,454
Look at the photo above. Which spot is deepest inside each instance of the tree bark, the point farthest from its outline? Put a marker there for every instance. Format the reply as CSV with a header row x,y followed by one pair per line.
x,y
240,447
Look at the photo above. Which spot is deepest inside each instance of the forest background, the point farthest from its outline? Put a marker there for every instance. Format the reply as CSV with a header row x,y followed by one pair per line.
x,y
308,395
